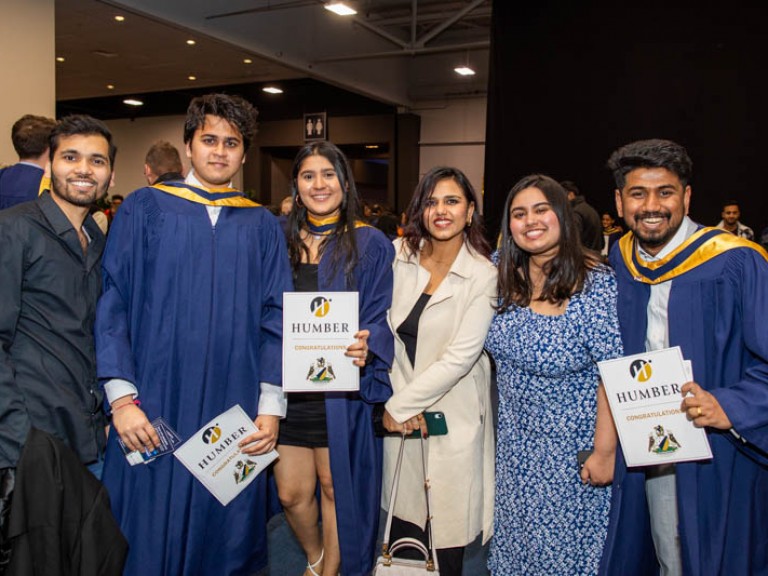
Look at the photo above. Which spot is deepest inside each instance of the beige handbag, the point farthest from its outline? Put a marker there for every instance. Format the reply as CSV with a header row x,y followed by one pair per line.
x,y
387,564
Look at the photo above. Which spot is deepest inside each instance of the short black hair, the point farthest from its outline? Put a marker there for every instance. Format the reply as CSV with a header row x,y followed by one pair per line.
x,y
730,203
31,135
82,125
236,110
570,186
655,153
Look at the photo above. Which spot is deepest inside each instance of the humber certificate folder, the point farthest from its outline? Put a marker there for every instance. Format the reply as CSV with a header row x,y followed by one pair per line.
x,y
317,328
213,457
644,395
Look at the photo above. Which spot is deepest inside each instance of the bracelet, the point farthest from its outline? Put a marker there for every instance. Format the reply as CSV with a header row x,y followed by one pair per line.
x,y
131,403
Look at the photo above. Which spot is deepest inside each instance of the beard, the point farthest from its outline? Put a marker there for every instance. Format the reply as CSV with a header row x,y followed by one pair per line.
x,y
75,197
655,238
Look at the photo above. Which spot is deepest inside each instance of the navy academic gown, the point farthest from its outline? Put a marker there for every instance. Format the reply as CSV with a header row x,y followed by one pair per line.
x,y
19,183
193,316
718,313
356,452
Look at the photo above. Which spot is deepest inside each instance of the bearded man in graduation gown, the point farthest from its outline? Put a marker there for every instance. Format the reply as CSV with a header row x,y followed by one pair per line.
x,y
190,324
702,289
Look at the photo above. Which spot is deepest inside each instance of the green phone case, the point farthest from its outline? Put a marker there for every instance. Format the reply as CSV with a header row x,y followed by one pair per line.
x,y
436,424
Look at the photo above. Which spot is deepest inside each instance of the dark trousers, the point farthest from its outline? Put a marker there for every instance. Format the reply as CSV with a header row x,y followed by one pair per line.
x,y
450,560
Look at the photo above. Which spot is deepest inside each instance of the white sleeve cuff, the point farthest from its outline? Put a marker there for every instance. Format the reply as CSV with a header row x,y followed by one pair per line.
x,y
272,400
117,388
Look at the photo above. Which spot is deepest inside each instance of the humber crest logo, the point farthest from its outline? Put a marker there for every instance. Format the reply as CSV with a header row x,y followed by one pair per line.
x,y
321,371
662,441
320,306
211,435
641,370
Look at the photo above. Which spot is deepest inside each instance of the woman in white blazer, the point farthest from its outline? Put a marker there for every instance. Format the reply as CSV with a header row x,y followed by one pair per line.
x,y
442,306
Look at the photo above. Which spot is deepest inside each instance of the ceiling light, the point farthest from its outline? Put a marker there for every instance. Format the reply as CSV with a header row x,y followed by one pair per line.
x,y
464,71
272,90
372,146
120,18
340,8
191,77
247,61
110,86
191,42
59,58
133,102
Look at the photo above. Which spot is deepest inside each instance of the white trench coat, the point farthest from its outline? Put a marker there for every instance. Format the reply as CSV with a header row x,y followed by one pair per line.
x,y
452,375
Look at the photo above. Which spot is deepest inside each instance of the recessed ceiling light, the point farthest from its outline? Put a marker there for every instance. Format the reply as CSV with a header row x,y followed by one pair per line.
x,y
372,146
191,42
59,58
272,90
133,102
340,8
464,71
191,77
247,61
110,86
120,18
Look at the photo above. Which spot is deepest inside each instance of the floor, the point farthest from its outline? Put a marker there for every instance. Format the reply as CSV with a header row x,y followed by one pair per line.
x,y
287,559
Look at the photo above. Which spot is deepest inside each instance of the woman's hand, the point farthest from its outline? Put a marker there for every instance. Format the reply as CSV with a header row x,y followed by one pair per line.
x,y
358,351
265,439
598,469
132,425
415,423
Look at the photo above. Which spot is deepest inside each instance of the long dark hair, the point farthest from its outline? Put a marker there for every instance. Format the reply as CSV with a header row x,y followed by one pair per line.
x,y
415,231
565,273
345,246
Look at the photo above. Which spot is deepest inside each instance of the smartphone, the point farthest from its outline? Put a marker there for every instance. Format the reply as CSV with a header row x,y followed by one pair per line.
x,y
581,457
436,424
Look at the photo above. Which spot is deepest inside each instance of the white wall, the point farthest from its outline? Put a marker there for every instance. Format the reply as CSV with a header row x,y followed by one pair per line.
x,y
27,66
453,134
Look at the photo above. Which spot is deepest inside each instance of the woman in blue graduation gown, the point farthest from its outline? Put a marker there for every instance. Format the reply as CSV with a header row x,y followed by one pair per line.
x,y
328,439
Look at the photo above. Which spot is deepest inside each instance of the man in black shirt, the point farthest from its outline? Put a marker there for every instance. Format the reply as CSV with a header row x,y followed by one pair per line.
x,y
50,271
586,218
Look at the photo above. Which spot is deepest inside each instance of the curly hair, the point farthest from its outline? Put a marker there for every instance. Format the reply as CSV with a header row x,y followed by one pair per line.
x,y
234,109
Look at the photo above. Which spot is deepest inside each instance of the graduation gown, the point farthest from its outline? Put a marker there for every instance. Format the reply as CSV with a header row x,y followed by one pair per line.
x,y
718,313
192,315
355,451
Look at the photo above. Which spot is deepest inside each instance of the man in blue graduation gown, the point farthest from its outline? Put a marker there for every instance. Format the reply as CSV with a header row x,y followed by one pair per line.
x,y
704,290
21,182
190,324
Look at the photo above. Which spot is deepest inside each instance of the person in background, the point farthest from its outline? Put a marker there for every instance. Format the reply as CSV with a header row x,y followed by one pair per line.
x,y
162,164
730,221
704,290
114,203
190,325
328,439
21,182
611,233
586,217
556,319
442,304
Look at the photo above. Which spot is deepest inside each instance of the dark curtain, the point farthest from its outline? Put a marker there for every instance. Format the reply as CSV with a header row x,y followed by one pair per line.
x,y
570,82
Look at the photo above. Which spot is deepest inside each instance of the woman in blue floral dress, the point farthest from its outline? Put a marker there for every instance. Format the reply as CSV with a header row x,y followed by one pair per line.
x,y
557,318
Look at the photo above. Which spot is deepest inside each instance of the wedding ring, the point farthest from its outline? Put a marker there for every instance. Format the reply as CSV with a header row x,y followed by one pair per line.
x,y
698,410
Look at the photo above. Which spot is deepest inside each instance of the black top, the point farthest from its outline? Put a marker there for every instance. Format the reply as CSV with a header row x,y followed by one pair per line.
x,y
304,423
48,293
409,329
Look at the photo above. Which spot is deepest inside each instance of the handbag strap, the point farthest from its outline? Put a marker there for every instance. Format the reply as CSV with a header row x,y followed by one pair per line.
x,y
393,498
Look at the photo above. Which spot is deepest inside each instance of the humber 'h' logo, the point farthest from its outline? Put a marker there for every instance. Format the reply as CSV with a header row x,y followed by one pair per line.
x,y
320,306
212,434
641,370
